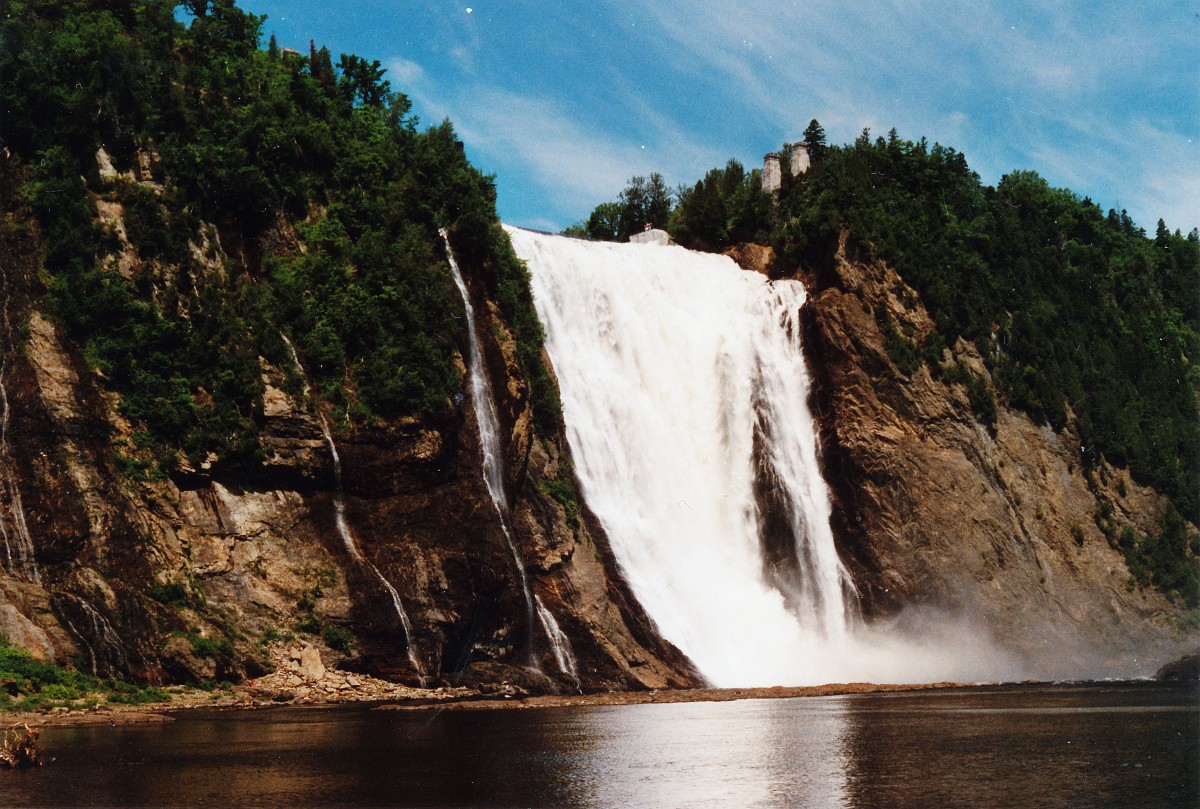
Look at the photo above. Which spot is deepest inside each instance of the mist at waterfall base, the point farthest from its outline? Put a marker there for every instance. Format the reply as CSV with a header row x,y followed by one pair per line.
x,y
685,395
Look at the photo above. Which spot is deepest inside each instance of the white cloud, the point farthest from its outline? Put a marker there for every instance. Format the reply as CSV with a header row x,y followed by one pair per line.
x,y
570,162
404,73
565,164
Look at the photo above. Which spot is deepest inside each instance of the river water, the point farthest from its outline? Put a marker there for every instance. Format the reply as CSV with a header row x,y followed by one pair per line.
x,y
1130,745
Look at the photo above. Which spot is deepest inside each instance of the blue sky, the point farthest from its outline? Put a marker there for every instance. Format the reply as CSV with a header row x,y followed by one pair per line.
x,y
564,102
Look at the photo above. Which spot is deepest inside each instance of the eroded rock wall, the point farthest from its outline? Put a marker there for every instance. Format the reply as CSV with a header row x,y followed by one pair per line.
x,y
943,516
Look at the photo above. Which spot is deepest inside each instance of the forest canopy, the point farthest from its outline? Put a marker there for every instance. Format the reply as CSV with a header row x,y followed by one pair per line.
x,y
264,192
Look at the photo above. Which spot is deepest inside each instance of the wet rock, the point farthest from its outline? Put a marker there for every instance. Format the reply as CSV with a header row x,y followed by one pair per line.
x,y
1185,668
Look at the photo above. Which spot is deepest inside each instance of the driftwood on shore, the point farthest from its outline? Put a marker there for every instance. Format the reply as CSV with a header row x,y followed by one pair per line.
x,y
20,747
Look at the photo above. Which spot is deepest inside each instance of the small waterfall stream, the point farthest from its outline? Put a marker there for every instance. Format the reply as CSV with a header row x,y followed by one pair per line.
x,y
560,644
19,555
484,404
105,638
343,529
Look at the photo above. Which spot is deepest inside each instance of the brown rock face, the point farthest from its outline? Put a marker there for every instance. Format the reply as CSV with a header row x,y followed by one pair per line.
x,y
210,573
991,522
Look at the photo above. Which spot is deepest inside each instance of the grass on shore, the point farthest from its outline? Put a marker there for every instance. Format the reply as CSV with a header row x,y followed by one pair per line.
x,y
27,684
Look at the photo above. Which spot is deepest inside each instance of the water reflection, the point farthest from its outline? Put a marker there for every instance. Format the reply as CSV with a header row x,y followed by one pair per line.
x,y
1132,745
1106,746
700,755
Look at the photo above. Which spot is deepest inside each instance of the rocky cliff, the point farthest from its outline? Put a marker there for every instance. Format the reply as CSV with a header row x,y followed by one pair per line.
x,y
947,510
209,573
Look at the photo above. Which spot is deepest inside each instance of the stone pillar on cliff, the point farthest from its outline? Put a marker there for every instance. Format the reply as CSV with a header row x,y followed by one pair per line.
x,y
799,159
771,176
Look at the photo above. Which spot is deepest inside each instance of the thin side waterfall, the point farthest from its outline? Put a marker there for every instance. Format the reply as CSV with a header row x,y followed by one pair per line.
x,y
343,529
102,630
560,644
484,404
684,388
19,555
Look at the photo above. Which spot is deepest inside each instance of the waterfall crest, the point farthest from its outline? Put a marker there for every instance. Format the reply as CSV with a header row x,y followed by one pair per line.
x,y
684,390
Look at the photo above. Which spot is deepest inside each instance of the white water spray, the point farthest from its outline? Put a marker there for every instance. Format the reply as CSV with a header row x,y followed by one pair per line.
x,y
343,529
484,404
683,383
14,532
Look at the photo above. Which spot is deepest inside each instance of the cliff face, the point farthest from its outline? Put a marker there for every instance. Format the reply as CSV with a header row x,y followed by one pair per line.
x,y
938,512
208,574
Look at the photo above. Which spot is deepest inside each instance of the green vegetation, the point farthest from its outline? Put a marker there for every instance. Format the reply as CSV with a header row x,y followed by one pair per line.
x,y
645,201
337,638
1166,560
728,206
1080,316
309,624
32,685
271,636
562,489
216,648
171,594
262,192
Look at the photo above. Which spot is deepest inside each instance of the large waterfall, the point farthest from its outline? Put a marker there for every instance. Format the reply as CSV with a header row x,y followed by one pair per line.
x,y
685,397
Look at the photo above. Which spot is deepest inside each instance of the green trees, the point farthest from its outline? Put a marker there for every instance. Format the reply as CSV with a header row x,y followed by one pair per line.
x,y
814,136
604,223
726,207
313,179
644,201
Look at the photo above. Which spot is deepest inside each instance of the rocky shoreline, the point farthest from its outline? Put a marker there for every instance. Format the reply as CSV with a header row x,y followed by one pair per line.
x,y
677,695
338,689
301,678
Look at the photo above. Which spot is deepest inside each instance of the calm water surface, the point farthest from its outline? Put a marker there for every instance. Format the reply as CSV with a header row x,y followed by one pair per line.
x,y
1055,746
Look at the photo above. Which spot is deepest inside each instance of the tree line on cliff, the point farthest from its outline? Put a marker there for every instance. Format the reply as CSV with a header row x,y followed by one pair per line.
x,y
325,196
1079,314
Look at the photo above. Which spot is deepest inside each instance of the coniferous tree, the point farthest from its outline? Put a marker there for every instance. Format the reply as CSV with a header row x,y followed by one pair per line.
x,y
814,136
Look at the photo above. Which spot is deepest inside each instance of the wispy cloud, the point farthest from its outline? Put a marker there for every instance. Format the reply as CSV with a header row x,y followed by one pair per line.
x,y
563,162
405,73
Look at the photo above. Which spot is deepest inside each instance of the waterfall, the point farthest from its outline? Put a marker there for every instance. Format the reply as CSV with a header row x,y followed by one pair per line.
x,y
685,397
14,532
560,644
343,529
102,632
484,404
